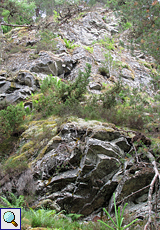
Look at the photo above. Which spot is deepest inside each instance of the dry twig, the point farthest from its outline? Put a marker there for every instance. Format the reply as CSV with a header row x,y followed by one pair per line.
x,y
6,24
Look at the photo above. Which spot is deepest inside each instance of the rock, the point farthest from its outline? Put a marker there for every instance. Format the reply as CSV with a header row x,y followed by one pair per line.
x,y
123,143
61,48
95,86
31,42
18,95
74,164
74,170
48,63
125,73
90,28
17,88
134,179
48,204
24,77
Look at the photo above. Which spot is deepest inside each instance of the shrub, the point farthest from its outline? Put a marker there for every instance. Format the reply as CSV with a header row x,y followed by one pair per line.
x,y
6,29
110,98
72,90
58,95
50,83
89,49
47,41
79,86
11,118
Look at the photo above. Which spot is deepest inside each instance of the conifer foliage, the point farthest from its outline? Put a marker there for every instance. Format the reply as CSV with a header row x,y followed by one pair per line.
x,y
144,16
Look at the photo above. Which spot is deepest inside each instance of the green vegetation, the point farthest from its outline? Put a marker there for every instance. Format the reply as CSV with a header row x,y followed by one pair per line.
x,y
106,43
50,218
69,44
14,167
119,218
127,25
59,96
33,56
117,104
11,118
109,64
43,217
14,201
16,12
47,41
142,17
55,15
88,48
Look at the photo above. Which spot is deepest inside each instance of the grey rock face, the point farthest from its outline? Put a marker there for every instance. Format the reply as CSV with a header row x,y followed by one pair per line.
x,y
95,86
85,183
125,73
91,27
17,88
48,63
85,31
78,165
80,168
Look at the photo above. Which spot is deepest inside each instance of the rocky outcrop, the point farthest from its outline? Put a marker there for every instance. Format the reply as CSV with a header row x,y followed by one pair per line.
x,y
71,163
85,34
48,63
18,87
92,26
77,166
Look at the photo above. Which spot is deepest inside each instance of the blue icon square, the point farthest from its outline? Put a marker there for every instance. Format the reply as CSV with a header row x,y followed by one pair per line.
x,y
10,218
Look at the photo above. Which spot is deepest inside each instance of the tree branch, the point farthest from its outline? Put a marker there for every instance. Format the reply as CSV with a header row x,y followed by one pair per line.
x,y
6,24
156,176
133,193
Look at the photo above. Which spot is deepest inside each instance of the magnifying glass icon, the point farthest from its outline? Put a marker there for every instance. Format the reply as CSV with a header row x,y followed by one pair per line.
x,y
9,217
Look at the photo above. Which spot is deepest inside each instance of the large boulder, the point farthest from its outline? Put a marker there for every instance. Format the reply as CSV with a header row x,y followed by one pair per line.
x,y
17,88
76,165
49,63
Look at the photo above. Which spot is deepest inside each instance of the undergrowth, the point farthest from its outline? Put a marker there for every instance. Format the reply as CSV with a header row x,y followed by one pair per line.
x,y
118,104
51,219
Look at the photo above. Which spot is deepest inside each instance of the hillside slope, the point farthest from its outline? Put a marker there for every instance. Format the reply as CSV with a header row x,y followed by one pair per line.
x,y
91,130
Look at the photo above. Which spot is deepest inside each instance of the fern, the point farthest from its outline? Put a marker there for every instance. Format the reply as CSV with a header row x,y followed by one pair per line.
x,y
15,202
